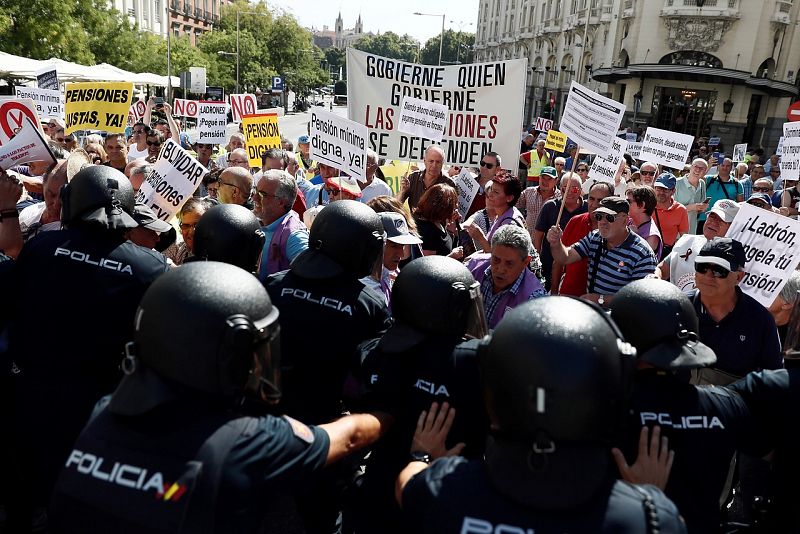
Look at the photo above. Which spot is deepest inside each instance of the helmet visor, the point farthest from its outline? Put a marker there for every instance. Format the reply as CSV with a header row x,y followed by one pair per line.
x,y
264,380
476,319
376,269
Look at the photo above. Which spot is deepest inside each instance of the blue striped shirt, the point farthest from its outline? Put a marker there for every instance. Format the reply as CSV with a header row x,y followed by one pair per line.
x,y
632,260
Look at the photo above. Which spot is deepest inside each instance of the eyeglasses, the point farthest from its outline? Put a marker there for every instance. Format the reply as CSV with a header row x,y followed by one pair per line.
x,y
488,165
238,162
647,173
332,192
186,226
559,164
153,143
226,183
716,270
582,170
762,189
607,216
264,194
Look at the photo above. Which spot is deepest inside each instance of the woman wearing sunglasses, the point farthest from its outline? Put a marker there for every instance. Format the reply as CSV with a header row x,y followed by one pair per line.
x,y
154,142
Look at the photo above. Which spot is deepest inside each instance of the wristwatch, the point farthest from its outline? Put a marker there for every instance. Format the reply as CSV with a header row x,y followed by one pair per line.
x,y
421,456
9,214
601,300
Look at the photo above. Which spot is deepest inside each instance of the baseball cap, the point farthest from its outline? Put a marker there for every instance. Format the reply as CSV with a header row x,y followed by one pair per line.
x,y
723,251
725,209
665,180
756,198
302,140
549,171
397,229
613,205
147,219
346,183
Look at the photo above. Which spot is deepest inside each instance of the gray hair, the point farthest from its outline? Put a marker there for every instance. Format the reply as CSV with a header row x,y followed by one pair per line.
x,y
511,235
699,161
560,160
790,289
433,147
567,176
372,156
287,186
144,168
765,179
275,153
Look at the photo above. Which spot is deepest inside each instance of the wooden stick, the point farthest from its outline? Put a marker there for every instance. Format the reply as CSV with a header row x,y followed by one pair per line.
x,y
564,196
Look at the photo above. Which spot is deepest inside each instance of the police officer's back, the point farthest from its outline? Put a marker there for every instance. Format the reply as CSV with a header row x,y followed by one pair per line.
x,y
704,424
76,293
556,374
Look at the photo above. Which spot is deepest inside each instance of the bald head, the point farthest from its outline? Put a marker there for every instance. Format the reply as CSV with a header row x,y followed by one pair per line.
x,y
235,184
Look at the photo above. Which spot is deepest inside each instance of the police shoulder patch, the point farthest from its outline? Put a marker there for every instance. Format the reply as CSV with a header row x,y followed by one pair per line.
x,y
300,430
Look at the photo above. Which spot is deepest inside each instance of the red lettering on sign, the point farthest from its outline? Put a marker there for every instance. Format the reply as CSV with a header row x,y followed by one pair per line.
x,y
12,115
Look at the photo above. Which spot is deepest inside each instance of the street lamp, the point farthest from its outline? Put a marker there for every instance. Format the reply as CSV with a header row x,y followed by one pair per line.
x,y
441,39
238,13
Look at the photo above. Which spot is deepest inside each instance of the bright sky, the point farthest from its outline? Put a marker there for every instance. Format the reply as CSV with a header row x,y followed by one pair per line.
x,y
386,15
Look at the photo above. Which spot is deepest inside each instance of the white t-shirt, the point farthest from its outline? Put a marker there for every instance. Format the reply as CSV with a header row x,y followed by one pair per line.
x,y
29,220
681,261
135,153
377,188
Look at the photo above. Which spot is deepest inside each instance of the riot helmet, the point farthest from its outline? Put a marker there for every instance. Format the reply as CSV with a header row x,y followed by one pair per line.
x,y
434,295
659,320
100,196
346,237
231,234
207,326
556,374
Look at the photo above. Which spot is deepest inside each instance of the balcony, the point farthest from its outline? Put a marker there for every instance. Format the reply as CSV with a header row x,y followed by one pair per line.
x,y
711,8
508,37
187,8
175,5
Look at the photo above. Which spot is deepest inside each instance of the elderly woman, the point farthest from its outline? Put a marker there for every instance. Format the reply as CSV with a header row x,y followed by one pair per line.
x,y
189,215
502,193
434,213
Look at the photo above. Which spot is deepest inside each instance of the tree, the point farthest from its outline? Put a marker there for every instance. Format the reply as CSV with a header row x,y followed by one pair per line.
x,y
337,60
390,45
457,48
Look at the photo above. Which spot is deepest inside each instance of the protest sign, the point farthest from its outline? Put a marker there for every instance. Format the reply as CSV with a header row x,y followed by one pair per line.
x,y
212,117
791,129
49,104
634,149
605,166
339,142
555,141
467,188
393,172
241,105
47,78
97,106
739,152
136,112
184,108
631,137
590,119
779,149
543,124
12,116
261,133
175,177
713,141
484,100
28,145
422,118
770,242
790,160
663,147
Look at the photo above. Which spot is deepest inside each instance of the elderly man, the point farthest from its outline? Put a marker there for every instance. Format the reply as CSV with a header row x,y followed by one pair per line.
x,y
238,158
526,145
535,160
274,158
490,167
787,198
315,193
137,172
648,172
506,282
418,182
117,151
690,190
721,186
781,308
748,181
303,154
286,235
616,255
235,185
373,188
671,216
43,216
533,198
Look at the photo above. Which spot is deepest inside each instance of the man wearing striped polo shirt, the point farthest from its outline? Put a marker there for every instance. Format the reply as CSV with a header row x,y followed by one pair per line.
x,y
616,255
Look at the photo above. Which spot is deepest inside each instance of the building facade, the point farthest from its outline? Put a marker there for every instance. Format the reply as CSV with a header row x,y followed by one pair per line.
x,y
723,68
186,17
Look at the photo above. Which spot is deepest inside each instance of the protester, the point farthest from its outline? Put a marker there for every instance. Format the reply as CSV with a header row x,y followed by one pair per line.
x,y
138,149
642,201
211,185
761,200
784,303
238,158
235,185
188,217
235,141
721,186
502,193
414,186
526,145
373,187
96,153
204,152
648,172
690,190
42,216
533,198
137,172
150,230
489,168
117,151
534,160
436,209
671,216
788,198
303,155
342,188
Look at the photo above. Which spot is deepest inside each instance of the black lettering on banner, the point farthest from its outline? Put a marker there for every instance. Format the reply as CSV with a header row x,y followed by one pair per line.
x,y
114,96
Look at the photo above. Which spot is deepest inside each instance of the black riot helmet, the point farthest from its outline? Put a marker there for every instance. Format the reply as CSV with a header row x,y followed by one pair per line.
x,y
229,233
207,326
660,321
346,237
556,375
434,295
100,196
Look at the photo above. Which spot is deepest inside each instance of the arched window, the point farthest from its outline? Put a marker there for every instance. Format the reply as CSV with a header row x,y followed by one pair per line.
x,y
691,58
766,69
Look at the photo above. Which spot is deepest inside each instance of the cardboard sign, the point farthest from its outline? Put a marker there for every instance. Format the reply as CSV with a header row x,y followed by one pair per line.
x,y
484,101
393,172
555,141
47,78
212,117
543,124
779,149
770,242
590,119
242,105
175,177
634,149
136,112
97,106
28,145
739,152
422,118
663,147
49,103
261,133
468,187
185,108
13,112
339,142
713,141
605,166
790,159
791,129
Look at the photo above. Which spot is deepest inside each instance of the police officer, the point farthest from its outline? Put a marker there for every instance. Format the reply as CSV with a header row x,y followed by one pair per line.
x,y
421,359
555,373
229,233
704,425
169,450
76,293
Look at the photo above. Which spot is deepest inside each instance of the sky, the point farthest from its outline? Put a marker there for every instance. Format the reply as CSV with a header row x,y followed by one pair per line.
x,y
383,15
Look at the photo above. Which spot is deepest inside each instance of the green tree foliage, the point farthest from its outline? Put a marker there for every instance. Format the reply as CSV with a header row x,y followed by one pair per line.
x,y
391,45
457,48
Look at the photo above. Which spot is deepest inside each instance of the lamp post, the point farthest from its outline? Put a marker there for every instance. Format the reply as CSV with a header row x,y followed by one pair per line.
x,y
238,13
441,39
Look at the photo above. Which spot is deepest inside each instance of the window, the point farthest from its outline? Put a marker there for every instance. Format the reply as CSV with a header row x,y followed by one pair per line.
x,y
691,58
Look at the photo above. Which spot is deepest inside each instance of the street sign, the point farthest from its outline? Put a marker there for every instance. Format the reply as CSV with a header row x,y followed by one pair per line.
x,y
12,116
793,113
543,124
244,104
277,83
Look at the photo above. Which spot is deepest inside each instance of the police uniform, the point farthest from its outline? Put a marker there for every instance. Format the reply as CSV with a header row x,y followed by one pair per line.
x,y
456,495
77,292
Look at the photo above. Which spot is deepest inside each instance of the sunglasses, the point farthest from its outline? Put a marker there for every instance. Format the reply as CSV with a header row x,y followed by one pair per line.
x,y
581,170
488,165
647,173
331,191
716,270
607,216
204,146
762,189
137,132
153,143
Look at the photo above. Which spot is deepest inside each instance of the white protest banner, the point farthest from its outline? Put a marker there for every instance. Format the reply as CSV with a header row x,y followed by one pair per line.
x,y
790,160
47,78
605,166
779,149
211,120
175,177
634,149
791,129
663,147
485,102
28,145
739,152
12,116
590,119
339,142
185,108
49,103
631,137
136,112
244,104
770,242
543,124
468,187
422,118
713,141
